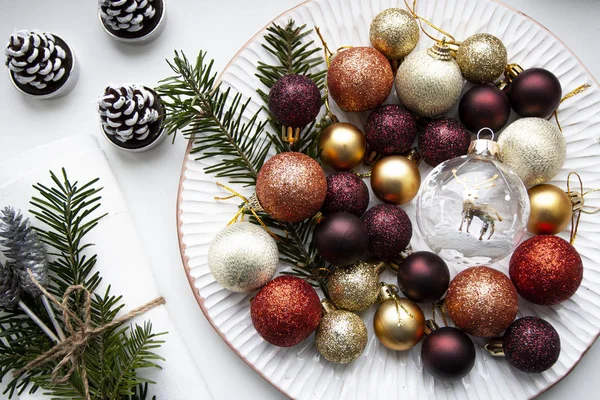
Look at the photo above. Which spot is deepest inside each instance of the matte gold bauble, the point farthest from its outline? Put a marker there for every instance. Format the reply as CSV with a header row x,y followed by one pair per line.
x,y
354,288
551,210
394,32
395,179
481,58
342,146
399,324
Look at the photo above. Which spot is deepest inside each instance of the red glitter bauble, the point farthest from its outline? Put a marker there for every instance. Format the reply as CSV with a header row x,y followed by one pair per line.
x,y
346,192
389,229
295,100
359,79
390,129
531,344
484,106
286,311
482,301
291,187
546,270
442,140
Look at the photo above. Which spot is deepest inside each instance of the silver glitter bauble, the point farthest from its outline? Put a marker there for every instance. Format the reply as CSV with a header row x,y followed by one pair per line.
x,y
429,82
354,288
243,257
394,32
482,58
534,148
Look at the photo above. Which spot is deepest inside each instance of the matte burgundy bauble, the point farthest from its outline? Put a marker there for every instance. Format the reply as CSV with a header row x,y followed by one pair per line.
x,y
423,276
390,129
346,192
390,230
295,100
443,139
341,238
484,106
535,92
531,344
448,353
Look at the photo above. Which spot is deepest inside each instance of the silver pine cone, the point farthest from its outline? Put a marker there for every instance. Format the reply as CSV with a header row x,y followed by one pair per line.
x,y
10,291
126,15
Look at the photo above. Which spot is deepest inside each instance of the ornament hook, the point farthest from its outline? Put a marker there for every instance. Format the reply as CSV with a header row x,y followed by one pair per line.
x,y
486,129
577,199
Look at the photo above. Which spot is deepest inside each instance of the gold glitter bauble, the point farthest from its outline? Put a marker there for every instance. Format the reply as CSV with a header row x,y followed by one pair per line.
x,y
394,32
395,179
359,79
429,82
341,336
342,146
551,210
482,58
534,148
354,288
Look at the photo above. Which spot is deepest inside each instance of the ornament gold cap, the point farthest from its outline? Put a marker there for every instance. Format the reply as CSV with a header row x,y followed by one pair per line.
x,y
386,292
484,147
414,156
512,70
502,85
317,218
440,51
289,134
371,156
328,306
430,326
495,348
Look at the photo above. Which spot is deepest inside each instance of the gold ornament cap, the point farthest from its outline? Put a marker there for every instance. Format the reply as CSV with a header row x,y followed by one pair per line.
x,y
386,292
495,347
484,147
430,326
440,51
512,70
327,306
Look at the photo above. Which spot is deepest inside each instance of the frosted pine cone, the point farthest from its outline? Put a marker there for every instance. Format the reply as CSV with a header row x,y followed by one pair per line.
x,y
130,18
10,291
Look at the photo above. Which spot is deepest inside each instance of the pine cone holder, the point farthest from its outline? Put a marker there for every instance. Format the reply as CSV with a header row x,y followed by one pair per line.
x,y
150,31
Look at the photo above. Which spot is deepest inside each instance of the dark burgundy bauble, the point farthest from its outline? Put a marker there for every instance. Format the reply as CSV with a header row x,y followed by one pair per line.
x,y
443,139
535,92
448,353
341,238
423,277
531,344
390,129
295,100
346,192
484,106
389,229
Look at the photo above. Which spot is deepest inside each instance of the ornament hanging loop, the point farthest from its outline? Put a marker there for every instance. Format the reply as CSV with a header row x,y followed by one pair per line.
x,y
486,129
578,201
326,50
574,92
412,10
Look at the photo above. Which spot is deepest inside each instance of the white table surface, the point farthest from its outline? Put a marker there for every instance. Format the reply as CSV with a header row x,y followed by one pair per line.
x,y
149,180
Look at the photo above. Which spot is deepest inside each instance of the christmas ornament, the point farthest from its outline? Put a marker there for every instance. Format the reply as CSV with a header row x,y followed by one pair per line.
x,y
482,301
429,82
530,344
389,229
345,192
484,106
359,79
131,117
243,257
534,148
40,64
551,210
354,288
10,290
396,179
341,238
286,311
443,139
295,101
535,92
423,277
132,20
546,270
399,324
447,352
394,32
291,187
390,129
482,58
473,208
342,146
341,336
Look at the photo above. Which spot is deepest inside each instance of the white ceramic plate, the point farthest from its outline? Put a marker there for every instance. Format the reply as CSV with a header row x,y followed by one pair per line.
x,y
299,372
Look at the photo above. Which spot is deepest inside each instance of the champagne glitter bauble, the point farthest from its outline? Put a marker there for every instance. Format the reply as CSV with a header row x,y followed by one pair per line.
x,y
346,192
243,257
291,187
448,352
443,139
423,277
286,311
531,345
342,336
429,82
482,301
390,129
546,270
359,79
295,100
389,229
551,210
395,179
342,146
354,288
534,148
535,92
394,32
482,58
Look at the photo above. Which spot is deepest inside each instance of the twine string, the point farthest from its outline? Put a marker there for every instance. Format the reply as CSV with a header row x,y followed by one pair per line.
x,y
574,92
421,20
577,198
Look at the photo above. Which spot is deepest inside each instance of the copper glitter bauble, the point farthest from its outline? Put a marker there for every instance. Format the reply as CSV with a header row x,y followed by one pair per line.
x,y
395,179
535,149
531,345
342,146
286,311
546,270
342,336
551,210
482,58
390,129
291,187
354,288
482,301
359,79
295,100
346,192
394,32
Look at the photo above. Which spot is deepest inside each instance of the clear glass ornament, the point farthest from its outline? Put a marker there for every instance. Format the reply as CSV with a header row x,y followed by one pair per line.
x,y
472,209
